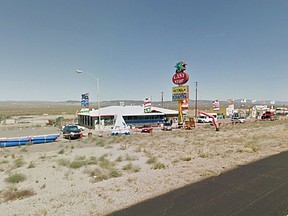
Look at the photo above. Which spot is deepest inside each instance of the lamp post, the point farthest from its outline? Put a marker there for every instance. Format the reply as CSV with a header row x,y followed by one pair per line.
x,y
98,100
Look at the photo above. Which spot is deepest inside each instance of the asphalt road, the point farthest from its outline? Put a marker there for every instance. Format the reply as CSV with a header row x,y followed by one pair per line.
x,y
259,188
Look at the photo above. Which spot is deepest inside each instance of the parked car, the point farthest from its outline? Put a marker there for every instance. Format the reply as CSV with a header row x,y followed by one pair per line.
x,y
81,128
238,119
269,116
71,132
204,119
167,126
146,129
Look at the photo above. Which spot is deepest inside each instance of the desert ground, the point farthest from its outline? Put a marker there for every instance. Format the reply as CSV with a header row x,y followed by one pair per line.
x,y
98,175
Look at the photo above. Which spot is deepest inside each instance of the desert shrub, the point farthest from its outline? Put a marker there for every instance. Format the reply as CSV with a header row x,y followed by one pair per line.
x,y
31,165
136,168
100,143
62,151
15,178
128,166
42,157
186,158
18,162
130,158
131,167
159,165
113,139
92,160
123,146
203,154
4,161
253,146
115,174
138,149
63,162
105,163
80,157
76,164
119,159
13,194
97,175
151,160
93,172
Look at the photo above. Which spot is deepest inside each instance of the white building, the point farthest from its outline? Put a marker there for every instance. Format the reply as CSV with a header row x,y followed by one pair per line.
x,y
133,116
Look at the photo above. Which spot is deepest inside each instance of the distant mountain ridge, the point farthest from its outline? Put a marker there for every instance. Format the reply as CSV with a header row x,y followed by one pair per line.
x,y
165,104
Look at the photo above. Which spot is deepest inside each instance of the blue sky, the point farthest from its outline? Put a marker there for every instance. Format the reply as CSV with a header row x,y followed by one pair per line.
x,y
233,49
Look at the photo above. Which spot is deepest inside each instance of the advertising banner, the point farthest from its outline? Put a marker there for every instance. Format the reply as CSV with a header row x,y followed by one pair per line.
x,y
147,105
216,105
185,106
180,93
85,100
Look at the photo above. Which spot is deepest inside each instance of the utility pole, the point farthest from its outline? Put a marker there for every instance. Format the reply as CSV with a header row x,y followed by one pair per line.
x,y
162,99
196,100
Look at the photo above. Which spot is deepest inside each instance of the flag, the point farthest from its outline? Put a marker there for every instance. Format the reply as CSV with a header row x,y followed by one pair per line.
x,y
216,105
147,105
243,101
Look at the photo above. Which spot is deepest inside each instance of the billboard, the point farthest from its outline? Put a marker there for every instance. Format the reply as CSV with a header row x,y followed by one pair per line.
x,y
180,93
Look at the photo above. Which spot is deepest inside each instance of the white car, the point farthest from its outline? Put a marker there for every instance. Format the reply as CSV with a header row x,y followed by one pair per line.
x,y
238,119
204,119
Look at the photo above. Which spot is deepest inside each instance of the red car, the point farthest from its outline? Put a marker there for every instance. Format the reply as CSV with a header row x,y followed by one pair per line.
x,y
146,129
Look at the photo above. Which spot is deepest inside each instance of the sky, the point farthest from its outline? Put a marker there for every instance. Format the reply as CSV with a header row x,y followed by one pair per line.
x,y
233,49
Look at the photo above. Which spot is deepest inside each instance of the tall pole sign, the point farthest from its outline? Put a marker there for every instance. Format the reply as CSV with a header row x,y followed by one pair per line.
x,y
180,93
84,103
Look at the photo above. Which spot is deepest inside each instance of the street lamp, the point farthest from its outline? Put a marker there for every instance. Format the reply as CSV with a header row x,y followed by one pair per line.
x,y
98,100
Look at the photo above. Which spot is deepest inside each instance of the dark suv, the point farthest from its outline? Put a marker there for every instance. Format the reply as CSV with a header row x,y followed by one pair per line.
x,y
71,132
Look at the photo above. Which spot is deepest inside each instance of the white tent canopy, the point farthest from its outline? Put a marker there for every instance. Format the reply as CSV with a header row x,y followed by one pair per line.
x,y
120,126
